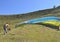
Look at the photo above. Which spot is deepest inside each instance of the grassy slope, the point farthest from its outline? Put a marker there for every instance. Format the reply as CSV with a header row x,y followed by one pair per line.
x,y
29,33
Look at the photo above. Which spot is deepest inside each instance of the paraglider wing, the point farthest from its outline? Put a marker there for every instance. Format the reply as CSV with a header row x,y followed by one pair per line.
x,y
46,20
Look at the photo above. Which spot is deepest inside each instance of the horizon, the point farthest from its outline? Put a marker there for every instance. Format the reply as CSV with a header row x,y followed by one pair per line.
x,y
24,13
12,7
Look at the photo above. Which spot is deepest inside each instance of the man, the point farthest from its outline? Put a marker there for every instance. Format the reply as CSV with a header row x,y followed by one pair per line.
x,y
5,27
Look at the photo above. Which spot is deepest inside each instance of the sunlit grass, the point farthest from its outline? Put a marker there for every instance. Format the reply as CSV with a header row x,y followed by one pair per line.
x,y
29,33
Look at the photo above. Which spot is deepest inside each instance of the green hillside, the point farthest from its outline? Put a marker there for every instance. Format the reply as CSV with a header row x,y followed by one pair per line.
x,y
30,32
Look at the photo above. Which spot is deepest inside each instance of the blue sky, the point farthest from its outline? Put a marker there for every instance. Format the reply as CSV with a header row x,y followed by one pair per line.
x,y
9,7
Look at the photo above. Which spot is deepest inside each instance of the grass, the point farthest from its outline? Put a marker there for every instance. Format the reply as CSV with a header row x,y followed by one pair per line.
x,y
28,33
31,33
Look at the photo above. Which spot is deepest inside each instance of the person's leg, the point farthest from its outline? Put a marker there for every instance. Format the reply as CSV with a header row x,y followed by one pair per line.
x,y
59,27
5,31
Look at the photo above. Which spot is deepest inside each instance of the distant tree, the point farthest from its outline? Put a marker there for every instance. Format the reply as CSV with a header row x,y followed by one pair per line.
x,y
54,6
